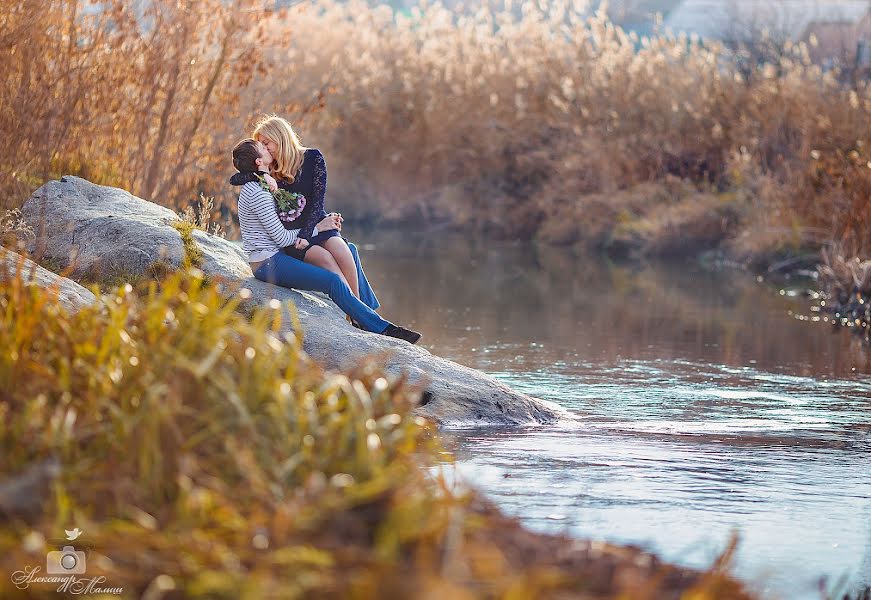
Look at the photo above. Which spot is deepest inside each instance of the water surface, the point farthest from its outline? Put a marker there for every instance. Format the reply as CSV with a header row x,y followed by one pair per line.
x,y
703,406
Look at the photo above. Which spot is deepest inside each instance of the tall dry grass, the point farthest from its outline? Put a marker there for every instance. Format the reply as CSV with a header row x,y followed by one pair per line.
x,y
507,119
128,93
505,122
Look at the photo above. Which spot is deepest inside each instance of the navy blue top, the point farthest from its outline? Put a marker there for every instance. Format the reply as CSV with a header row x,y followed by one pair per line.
x,y
311,182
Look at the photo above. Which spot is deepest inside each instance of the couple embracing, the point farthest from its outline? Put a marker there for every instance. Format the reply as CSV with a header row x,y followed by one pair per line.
x,y
287,235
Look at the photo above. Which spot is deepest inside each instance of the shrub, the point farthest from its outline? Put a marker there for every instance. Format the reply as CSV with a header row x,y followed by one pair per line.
x,y
183,432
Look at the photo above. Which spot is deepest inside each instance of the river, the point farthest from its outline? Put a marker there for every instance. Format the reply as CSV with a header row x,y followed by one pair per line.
x,y
704,404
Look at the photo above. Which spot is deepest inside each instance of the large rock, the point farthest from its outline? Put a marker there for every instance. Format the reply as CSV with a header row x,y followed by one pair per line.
x,y
71,294
106,233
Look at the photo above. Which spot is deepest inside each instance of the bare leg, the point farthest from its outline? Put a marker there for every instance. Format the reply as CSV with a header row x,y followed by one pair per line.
x,y
319,257
343,257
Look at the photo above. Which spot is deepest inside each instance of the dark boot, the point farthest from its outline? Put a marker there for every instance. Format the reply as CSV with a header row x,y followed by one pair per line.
x,y
401,333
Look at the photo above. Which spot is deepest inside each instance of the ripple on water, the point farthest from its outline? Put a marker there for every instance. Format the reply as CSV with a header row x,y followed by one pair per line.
x,y
677,455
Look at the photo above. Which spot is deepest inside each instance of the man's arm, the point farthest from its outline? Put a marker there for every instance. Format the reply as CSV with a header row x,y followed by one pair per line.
x,y
263,208
244,177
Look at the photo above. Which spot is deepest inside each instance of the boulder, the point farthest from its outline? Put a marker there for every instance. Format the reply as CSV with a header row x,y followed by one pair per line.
x,y
23,496
107,234
71,294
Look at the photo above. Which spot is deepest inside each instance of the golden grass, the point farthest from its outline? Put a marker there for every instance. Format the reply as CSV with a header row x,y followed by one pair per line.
x,y
505,123
496,120
184,432
122,92
14,230
204,456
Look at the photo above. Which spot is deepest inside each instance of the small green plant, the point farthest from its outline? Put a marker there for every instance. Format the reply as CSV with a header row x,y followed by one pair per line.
x,y
193,256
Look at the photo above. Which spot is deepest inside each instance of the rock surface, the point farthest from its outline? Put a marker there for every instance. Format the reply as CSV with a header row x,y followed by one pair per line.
x,y
105,233
71,294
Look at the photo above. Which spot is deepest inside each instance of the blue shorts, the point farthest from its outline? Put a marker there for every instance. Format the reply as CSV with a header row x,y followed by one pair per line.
x,y
317,240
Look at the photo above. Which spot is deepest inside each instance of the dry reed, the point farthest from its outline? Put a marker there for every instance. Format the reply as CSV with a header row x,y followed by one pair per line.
x,y
508,120
505,119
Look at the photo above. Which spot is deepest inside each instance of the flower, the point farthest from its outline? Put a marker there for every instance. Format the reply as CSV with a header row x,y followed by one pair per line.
x,y
288,205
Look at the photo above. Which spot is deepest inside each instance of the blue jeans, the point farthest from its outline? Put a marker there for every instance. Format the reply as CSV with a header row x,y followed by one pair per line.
x,y
367,294
288,272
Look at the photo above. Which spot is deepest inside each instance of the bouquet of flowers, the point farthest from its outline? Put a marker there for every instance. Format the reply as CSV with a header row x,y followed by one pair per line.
x,y
288,205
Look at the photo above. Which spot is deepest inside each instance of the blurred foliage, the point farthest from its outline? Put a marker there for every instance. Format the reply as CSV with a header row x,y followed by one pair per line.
x,y
507,120
845,299
204,456
498,119
120,92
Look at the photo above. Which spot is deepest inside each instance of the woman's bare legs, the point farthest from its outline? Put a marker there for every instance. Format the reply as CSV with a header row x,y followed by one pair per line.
x,y
320,257
342,256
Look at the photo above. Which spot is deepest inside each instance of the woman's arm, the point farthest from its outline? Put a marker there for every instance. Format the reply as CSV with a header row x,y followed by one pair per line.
x,y
243,177
320,190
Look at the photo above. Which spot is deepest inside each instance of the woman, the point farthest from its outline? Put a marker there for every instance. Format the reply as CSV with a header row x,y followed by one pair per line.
x,y
304,171
263,237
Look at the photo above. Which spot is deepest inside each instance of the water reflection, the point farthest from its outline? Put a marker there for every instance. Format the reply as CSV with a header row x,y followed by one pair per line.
x,y
493,304
702,406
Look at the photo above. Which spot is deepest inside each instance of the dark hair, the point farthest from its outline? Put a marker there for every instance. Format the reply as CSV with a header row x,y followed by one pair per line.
x,y
245,155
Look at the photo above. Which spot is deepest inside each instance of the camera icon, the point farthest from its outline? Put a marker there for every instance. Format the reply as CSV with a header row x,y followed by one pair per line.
x,y
65,562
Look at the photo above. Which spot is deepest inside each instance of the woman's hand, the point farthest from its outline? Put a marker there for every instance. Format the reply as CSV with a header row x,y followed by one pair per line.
x,y
270,181
300,244
331,221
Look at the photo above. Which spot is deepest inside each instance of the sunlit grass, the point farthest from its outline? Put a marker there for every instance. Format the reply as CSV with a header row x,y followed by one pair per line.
x,y
185,431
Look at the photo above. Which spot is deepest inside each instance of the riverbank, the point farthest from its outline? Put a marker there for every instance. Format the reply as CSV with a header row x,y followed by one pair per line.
x,y
201,456
674,221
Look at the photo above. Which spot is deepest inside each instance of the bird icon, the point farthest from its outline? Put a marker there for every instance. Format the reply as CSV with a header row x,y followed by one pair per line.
x,y
73,534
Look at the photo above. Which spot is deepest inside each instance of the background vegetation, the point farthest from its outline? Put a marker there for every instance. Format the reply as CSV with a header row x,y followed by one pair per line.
x,y
526,121
123,92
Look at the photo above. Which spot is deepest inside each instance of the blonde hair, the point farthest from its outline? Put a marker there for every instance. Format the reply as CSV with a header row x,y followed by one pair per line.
x,y
290,154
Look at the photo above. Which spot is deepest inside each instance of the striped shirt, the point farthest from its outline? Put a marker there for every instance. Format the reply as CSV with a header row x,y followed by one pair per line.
x,y
263,235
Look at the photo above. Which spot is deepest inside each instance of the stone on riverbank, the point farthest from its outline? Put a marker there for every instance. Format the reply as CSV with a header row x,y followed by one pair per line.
x,y
71,294
106,234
